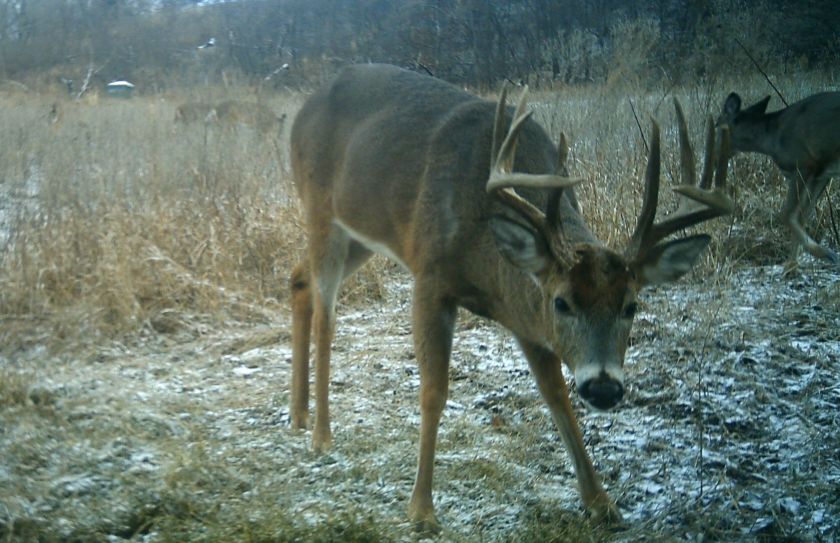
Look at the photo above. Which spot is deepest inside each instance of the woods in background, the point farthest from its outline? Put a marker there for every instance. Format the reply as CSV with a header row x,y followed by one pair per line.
x,y
293,43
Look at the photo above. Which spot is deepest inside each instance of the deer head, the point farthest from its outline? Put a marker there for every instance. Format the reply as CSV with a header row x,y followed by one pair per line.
x,y
588,290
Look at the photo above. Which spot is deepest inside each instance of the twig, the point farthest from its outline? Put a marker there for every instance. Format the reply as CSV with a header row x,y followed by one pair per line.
x,y
642,132
419,64
831,213
86,82
758,67
90,73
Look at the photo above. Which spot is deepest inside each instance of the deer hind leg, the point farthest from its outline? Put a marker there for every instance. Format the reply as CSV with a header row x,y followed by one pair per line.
x,y
790,215
803,193
548,371
301,284
433,321
813,193
332,259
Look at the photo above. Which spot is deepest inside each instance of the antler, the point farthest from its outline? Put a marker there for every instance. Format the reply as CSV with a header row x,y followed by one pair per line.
x,y
503,179
698,203
502,174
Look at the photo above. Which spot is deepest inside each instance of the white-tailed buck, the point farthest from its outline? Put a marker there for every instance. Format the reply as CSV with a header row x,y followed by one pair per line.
x,y
803,140
403,164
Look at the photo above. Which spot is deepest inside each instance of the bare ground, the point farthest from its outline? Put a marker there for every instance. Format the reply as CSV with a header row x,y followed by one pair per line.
x,y
730,430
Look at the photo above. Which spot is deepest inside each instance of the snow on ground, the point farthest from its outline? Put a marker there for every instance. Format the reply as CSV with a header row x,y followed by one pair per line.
x,y
730,429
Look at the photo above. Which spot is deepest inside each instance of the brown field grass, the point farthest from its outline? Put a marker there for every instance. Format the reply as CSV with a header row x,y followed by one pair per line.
x,y
117,218
116,223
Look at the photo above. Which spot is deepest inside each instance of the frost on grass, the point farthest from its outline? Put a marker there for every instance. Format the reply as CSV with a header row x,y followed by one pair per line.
x,y
730,429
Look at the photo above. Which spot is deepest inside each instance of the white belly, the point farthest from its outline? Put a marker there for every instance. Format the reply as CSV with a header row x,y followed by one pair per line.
x,y
373,245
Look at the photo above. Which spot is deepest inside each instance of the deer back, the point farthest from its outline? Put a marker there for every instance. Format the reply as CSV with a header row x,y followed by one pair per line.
x,y
404,160
804,135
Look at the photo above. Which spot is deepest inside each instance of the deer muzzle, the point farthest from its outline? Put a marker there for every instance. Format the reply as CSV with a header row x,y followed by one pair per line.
x,y
601,391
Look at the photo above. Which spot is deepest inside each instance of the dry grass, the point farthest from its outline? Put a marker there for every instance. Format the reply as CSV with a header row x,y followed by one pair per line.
x,y
116,219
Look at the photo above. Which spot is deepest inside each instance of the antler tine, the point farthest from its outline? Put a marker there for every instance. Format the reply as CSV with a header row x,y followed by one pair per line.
x,y
498,126
709,160
522,104
725,153
502,174
642,233
562,155
687,168
504,158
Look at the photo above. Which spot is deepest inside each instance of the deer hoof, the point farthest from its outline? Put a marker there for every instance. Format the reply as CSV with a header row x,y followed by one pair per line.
x,y
299,421
423,519
427,526
604,511
321,441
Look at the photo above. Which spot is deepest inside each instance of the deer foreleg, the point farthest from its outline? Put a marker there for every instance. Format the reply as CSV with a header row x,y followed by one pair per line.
x,y
547,370
433,322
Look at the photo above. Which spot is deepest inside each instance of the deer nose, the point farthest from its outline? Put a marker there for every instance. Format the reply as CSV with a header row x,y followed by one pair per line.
x,y
602,392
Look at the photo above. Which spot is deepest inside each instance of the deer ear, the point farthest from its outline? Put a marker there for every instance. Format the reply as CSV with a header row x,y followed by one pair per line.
x,y
732,105
669,261
521,245
759,107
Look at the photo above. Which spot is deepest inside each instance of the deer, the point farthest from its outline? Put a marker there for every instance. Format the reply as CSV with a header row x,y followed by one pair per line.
x,y
390,161
258,116
232,113
803,140
194,112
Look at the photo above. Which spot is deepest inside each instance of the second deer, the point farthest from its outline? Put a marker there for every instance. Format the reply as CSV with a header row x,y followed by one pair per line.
x,y
803,140
232,114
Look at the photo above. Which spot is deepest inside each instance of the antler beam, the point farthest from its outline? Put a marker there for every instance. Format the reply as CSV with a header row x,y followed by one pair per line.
x,y
698,203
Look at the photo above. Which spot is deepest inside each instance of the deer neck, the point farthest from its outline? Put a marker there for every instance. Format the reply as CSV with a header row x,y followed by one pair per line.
x,y
758,135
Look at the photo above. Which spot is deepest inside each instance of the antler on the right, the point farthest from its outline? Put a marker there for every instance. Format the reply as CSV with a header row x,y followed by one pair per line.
x,y
703,192
503,180
698,203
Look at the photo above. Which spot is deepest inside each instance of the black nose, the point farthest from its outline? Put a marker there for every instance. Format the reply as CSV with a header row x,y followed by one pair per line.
x,y
602,392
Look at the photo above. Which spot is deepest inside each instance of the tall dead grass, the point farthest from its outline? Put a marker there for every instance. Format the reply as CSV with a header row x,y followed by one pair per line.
x,y
112,218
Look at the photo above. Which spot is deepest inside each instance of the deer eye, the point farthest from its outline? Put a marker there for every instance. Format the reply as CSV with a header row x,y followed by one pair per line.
x,y
630,310
561,306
